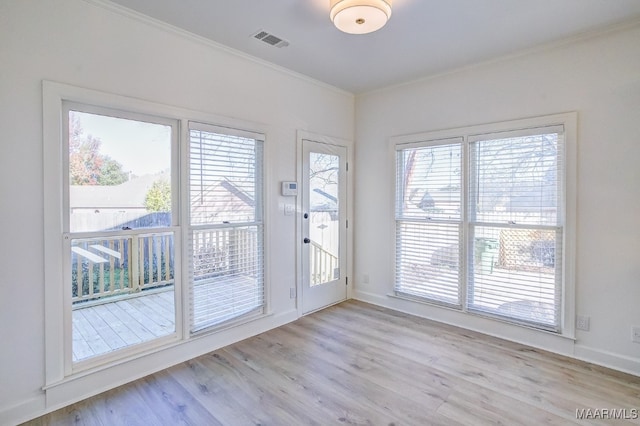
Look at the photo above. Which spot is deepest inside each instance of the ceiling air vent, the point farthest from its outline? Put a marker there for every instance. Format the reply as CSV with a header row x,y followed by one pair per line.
x,y
270,39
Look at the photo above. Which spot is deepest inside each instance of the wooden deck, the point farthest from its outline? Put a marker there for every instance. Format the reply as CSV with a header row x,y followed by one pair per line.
x,y
111,325
355,363
106,327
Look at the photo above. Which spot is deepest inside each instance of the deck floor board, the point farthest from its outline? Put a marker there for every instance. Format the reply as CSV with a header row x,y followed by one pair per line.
x,y
132,319
107,327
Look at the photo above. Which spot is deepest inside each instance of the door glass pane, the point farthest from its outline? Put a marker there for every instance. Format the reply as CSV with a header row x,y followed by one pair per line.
x,y
119,173
121,273
324,230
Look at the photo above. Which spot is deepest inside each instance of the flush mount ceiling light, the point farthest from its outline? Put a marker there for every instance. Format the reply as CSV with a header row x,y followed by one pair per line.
x,y
360,16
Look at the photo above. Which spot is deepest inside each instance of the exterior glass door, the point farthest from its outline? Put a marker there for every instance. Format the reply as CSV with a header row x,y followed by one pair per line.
x,y
324,225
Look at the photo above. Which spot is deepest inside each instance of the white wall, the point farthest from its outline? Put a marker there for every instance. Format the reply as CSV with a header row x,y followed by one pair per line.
x,y
78,43
597,77
86,45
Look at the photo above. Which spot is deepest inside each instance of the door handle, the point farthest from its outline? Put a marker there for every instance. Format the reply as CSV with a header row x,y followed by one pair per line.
x,y
306,241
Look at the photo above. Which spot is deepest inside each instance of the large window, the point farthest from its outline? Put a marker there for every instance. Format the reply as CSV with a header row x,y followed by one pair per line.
x,y
119,230
429,220
481,221
153,228
225,225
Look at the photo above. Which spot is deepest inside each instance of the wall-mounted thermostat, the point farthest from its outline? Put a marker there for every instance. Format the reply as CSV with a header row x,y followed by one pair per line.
x,y
289,188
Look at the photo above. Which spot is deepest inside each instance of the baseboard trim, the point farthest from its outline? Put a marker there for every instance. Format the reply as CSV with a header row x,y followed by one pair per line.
x,y
561,346
23,411
86,386
608,359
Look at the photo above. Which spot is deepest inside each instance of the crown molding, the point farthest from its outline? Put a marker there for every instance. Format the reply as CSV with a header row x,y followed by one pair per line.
x,y
567,41
161,25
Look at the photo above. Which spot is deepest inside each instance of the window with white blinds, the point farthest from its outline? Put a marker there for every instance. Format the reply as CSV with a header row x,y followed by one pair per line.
x,y
480,223
226,271
429,221
515,192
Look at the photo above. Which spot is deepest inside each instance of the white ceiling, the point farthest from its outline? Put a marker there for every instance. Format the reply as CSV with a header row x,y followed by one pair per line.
x,y
422,38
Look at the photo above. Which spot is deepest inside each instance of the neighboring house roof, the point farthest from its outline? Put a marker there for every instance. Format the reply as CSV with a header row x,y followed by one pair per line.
x,y
128,195
426,202
222,201
528,196
526,200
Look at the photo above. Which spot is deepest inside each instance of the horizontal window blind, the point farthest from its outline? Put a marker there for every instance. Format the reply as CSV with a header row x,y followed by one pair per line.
x,y
480,220
226,273
517,180
515,226
427,261
428,221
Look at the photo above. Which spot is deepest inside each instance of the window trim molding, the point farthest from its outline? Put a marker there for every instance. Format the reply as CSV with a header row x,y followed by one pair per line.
x,y
129,351
570,122
459,305
259,221
54,94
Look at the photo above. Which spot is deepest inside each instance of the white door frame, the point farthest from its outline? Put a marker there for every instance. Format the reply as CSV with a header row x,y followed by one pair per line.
x,y
329,140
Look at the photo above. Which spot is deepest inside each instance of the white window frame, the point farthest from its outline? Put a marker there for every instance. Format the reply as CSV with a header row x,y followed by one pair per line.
x,y
401,217
259,222
58,373
67,106
569,122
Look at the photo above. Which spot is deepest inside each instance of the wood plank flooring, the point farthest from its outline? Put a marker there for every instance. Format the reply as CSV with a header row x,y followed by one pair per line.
x,y
103,328
359,364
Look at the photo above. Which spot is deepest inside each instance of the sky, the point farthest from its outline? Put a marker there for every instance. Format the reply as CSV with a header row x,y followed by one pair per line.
x,y
142,148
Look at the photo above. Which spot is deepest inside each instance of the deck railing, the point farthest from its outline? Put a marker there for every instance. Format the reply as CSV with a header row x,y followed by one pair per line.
x,y
127,264
324,265
225,251
109,266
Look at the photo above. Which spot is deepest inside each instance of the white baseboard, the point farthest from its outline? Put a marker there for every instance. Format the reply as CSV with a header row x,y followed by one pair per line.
x,y
72,390
562,346
373,298
608,359
23,411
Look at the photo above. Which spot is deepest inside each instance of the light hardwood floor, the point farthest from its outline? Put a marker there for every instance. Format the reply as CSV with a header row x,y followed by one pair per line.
x,y
359,364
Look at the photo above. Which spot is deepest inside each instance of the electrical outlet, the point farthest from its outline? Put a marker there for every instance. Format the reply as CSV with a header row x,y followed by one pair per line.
x,y
635,334
583,323
365,279
292,293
